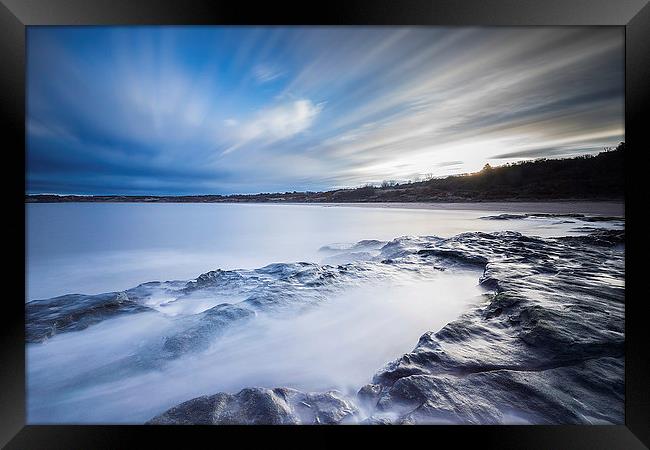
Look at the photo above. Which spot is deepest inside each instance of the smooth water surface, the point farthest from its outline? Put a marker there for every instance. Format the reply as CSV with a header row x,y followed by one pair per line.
x,y
90,248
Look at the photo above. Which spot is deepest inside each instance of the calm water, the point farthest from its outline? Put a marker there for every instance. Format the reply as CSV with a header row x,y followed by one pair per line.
x,y
92,248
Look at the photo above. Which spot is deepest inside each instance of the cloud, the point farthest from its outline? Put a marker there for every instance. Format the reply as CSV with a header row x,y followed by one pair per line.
x,y
264,73
449,163
242,109
558,151
500,90
277,123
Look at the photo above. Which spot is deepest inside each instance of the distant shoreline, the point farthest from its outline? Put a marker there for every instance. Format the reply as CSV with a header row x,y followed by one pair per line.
x,y
608,207
253,198
587,178
596,207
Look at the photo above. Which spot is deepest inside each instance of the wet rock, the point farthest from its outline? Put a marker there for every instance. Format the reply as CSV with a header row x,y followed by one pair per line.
x,y
216,279
207,327
369,394
455,255
589,392
547,348
605,238
376,420
75,312
261,406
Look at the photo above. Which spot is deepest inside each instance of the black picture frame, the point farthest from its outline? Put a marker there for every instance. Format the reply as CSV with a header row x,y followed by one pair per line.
x,y
15,15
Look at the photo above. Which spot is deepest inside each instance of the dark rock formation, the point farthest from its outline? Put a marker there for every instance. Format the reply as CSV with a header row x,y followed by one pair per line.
x,y
259,406
546,347
74,312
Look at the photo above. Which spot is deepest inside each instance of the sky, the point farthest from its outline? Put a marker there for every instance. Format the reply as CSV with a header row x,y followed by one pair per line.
x,y
219,110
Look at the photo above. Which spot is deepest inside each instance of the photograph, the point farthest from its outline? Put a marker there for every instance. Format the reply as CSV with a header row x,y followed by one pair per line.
x,y
325,225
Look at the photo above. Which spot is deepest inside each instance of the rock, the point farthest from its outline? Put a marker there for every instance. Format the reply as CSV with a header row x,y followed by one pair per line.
x,y
369,394
589,392
215,279
74,312
208,326
261,406
547,348
376,420
456,255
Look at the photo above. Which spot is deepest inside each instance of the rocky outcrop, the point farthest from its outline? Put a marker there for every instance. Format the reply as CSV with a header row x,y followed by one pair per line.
x,y
259,406
546,347
74,312
209,325
576,217
587,392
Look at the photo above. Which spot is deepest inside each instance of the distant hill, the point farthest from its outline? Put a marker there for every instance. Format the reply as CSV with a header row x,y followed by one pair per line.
x,y
585,177
593,177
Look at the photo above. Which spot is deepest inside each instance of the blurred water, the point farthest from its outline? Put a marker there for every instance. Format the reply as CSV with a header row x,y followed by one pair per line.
x,y
99,247
101,374
94,376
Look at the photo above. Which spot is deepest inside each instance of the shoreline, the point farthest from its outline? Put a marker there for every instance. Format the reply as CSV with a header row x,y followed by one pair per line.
x,y
592,207
601,208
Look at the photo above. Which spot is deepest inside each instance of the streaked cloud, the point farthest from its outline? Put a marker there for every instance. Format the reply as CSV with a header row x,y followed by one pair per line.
x,y
264,73
175,110
274,124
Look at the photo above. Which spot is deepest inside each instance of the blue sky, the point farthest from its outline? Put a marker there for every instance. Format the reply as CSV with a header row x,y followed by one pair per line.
x,y
202,110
